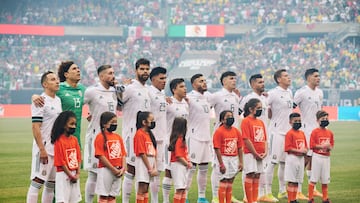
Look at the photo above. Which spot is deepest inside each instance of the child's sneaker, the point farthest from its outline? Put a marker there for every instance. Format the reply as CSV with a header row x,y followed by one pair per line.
x,y
202,200
326,201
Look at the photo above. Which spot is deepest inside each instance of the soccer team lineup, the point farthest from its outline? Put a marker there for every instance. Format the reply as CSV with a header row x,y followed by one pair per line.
x,y
167,142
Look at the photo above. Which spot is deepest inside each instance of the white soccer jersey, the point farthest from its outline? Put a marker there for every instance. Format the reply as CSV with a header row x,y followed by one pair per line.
x,y
158,108
47,116
99,100
136,98
175,109
263,99
281,104
309,102
199,117
224,100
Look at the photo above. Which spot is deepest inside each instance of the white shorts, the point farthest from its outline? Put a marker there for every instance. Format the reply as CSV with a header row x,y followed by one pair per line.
x,y
90,161
160,157
130,154
46,172
179,175
232,167
277,149
294,168
142,174
320,169
65,190
107,184
199,151
251,165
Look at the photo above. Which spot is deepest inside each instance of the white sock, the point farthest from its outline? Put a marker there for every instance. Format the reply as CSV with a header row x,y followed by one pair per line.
x,y
48,192
214,183
282,183
202,180
154,189
308,174
33,192
166,187
190,176
243,183
90,187
262,184
127,187
269,177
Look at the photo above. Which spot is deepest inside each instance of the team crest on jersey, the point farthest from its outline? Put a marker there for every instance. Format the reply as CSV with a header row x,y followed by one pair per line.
x,y
259,135
300,144
114,149
193,155
71,158
80,93
67,94
139,93
101,97
230,146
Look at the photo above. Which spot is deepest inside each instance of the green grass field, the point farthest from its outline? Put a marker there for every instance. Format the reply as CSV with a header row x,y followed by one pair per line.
x,y
15,160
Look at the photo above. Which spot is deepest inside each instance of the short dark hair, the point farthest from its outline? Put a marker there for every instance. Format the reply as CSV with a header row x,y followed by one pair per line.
x,y
44,77
294,115
309,72
277,74
174,83
254,77
63,68
141,61
156,71
102,68
194,77
321,114
226,74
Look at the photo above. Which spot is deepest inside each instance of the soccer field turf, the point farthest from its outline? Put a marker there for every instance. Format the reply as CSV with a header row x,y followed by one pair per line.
x,y
15,160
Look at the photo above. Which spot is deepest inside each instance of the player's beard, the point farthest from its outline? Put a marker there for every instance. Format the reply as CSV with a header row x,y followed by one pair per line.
x,y
111,83
143,78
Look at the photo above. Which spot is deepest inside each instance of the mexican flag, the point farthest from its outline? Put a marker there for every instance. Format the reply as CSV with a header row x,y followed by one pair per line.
x,y
147,34
135,32
196,31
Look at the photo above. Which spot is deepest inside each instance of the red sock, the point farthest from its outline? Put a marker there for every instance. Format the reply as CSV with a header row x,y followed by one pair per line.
x,y
177,197
183,197
228,193
324,188
146,197
249,189
222,192
311,191
139,198
255,189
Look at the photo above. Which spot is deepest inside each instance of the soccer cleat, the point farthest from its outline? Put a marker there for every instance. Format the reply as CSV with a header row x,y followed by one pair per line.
x,y
326,201
215,200
282,195
311,201
268,198
317,193
202,200
301,196
234,200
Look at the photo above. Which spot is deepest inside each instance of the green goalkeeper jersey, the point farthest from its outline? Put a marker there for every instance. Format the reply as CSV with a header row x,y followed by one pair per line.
x,y
72,99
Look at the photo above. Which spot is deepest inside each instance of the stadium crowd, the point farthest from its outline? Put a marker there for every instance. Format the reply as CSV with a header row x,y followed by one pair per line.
x,y
24,57
152,13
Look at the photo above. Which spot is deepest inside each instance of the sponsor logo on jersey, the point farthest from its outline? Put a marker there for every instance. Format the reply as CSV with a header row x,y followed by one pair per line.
x,y
71,158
